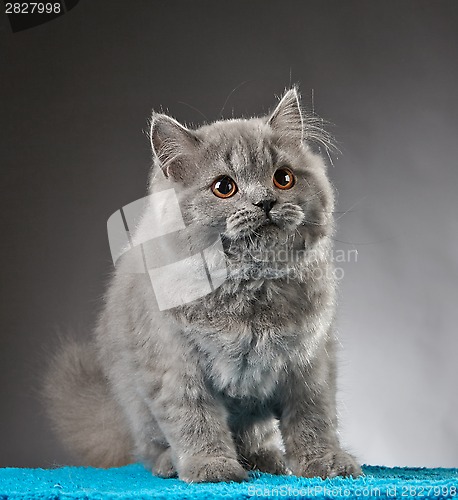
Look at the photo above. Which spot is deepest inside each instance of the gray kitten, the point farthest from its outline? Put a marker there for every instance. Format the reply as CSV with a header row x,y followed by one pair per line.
x,y
243,377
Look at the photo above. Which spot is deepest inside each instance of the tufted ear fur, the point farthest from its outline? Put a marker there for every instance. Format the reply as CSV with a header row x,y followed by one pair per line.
x,y
172,144
287,119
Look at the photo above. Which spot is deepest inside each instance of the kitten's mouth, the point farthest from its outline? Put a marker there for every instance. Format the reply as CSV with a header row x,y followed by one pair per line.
x,y
268,222
275,223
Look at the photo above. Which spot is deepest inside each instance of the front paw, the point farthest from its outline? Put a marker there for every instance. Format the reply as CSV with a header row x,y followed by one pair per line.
x,y
199,469
331,464
270,461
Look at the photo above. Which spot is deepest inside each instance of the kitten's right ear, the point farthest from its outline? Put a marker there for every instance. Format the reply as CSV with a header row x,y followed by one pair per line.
x,y
286,119
171,143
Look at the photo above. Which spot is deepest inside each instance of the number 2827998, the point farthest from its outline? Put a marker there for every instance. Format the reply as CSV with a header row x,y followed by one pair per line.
x,y
33,8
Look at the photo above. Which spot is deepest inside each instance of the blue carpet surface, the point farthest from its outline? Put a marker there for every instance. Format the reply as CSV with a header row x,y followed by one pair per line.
x,y
133,481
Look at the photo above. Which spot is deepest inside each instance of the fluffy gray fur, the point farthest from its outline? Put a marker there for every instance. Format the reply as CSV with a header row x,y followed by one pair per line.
x,y
243,378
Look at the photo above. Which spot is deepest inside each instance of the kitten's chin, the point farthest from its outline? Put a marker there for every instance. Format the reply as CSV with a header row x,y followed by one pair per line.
x,y
269,227
260,230
268,232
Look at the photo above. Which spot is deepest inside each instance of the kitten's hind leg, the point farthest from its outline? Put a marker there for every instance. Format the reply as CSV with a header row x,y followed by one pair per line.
x,y
151,446
260,447
163,465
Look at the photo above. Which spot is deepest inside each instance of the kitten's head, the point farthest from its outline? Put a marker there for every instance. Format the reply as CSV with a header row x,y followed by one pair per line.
x,y
248,179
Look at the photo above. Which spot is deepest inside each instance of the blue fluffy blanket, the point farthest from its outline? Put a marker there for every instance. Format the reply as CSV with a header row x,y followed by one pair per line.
x,y
134,481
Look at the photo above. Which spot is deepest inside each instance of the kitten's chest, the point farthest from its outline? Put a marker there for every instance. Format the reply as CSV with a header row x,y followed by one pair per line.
x,y
247,344
251,363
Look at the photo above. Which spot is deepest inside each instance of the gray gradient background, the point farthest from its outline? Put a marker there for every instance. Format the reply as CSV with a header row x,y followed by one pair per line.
x,y
75,94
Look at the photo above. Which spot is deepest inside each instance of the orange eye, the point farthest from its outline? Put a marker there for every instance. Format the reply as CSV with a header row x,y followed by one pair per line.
x,y
284,178
224,187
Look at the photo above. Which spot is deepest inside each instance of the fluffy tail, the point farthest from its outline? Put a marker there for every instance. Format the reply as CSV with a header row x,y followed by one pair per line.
x,y
85,415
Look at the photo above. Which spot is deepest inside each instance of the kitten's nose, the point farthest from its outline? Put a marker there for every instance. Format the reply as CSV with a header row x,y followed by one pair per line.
x,y
266,205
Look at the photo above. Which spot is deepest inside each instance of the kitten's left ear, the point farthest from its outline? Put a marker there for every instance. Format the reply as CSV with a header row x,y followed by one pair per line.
x,y
286,119
172,143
